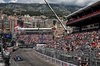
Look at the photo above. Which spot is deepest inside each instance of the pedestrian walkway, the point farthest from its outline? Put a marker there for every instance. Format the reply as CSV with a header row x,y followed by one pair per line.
x,y
1,60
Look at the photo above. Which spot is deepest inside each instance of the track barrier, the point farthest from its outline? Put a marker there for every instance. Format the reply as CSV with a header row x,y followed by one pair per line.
x,y
87,62
79,61
59,62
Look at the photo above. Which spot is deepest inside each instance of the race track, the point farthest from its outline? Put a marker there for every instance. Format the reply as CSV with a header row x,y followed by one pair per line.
x,y
30,58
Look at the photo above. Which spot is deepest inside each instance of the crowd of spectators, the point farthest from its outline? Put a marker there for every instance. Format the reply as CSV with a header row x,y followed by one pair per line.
x,y
47,38
76,44
36,38
77,41
30,38
72,42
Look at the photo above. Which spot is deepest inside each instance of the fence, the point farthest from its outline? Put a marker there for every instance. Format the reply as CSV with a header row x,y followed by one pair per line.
x,y
59,62
88,57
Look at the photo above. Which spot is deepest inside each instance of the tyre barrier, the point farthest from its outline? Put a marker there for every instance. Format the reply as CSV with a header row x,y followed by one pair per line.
x,y
59,62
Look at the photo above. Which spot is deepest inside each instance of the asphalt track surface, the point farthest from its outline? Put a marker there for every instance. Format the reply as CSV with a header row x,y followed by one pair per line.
x,y
30,58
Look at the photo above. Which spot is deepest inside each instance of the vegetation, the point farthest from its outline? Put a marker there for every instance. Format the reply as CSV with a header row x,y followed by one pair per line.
x,y
37,9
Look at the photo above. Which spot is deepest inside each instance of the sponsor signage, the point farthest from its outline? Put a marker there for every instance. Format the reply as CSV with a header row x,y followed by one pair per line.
x,y
7,36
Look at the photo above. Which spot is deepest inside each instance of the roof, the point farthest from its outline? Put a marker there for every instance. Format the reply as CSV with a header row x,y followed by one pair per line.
x,y
85,8
36,28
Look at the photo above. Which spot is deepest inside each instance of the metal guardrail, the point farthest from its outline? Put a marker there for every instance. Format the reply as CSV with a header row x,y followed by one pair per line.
x,y
54,60
72,56
59,54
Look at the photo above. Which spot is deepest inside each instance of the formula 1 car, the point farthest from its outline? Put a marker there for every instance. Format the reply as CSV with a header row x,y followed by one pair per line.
x,y
18,58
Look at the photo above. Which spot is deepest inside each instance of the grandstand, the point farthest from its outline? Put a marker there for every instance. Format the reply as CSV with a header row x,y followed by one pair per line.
x,y
86,28
86,18
83,43
36,35
86,36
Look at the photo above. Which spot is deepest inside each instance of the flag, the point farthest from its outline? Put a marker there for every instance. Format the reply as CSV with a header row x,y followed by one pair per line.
x,y
17,27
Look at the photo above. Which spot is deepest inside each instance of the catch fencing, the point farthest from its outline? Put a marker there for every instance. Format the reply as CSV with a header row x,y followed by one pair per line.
x,y
57,61
88,57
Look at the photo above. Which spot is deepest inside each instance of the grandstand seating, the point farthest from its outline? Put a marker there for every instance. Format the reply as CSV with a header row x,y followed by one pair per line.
x,y
36,38
83,44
